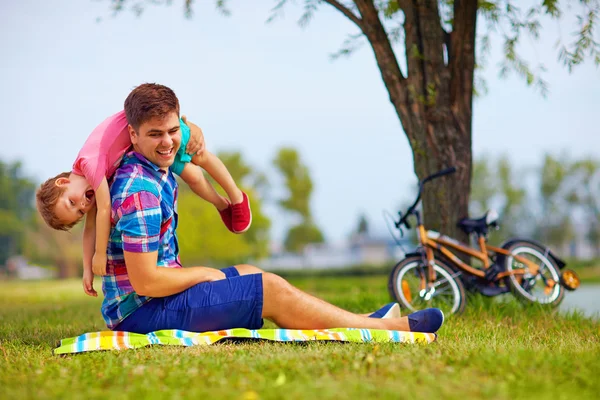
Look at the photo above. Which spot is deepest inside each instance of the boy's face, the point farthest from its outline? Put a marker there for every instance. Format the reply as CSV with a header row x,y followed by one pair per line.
x,y
158,139
76,200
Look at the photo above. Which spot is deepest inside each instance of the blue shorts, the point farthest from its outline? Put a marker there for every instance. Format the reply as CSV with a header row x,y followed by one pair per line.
x,y
182,158
234,302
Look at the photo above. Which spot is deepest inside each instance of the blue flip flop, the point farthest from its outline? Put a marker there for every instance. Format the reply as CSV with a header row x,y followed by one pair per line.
x,y
387,311
429,320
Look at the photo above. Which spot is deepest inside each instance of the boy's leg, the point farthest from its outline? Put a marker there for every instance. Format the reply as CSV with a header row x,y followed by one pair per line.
x,y
193,176
215,168
241,215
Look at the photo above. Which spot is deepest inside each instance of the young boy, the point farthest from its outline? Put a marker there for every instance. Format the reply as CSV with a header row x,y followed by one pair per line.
x,y
65,199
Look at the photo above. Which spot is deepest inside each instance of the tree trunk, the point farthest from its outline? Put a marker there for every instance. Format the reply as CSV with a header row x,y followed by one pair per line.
x,y
434,100
445,200
67,268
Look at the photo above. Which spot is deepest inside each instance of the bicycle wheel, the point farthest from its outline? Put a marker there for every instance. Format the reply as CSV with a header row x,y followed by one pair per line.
x,y
543,288
408,285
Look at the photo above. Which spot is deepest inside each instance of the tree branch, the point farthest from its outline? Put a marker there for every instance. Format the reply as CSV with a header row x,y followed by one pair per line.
x,y
351,16
461,59
411,40
391,74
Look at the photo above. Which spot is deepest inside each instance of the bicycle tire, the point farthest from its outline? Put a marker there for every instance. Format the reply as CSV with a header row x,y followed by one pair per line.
x,y
398,289
523,290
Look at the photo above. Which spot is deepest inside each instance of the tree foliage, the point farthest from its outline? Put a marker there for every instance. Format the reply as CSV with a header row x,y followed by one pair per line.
x,y
297,182
497,186
299,190
16,208
556,203
300,235
363,225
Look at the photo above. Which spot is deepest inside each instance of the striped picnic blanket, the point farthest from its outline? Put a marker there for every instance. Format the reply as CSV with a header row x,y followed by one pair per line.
x,y
118,340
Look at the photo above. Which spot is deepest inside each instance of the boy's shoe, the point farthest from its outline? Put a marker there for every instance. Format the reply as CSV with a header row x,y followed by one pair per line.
x,y
241,216
226,216
391,310
429,320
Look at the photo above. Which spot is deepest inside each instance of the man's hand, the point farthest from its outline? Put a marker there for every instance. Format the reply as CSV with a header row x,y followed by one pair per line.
x,y
99,264
196,142
88,284
216,275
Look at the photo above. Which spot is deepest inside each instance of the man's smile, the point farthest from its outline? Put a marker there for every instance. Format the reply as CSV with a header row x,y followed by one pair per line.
x,y
165,153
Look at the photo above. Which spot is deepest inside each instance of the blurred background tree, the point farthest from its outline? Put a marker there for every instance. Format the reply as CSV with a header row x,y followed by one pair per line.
x,y
57,250
299,187
555,203
16,208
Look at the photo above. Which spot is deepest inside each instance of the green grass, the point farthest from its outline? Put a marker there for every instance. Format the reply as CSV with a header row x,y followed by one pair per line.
x,y
496,351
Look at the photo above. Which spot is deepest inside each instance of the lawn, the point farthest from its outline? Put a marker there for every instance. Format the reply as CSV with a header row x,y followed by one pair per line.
x,y
495,350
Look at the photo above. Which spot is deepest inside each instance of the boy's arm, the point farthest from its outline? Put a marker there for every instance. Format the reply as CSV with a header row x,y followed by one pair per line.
x,y
89,238
89,233
102,227
148,279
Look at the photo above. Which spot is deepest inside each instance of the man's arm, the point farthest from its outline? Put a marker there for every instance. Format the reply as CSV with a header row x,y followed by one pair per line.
x,y
148,279
196,143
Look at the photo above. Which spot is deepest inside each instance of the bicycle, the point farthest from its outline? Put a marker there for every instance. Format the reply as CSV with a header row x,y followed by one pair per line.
x,y
433,275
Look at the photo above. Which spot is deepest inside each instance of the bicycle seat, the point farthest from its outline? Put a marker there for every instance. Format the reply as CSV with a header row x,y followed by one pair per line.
x,y
479,225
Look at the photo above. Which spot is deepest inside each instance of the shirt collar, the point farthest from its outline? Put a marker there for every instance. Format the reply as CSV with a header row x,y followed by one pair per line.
x,y
132,155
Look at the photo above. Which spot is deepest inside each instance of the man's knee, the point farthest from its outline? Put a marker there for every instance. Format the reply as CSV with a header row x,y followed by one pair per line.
x,y
277,295
275,284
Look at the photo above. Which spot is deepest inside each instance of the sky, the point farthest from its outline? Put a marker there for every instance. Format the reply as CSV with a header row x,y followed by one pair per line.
x,y
256,87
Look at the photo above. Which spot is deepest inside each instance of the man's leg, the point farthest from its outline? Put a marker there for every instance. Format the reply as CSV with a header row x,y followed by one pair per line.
x,y
247,269
292,308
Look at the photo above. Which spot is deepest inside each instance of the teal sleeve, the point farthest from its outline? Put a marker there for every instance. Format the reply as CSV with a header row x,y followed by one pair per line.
x,y
182,158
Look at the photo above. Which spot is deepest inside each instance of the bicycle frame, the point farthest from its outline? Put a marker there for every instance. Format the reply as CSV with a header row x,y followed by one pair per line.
x,y
432,240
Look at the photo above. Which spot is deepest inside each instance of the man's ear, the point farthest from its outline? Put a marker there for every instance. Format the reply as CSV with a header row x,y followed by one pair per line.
x,y
61,181
132,134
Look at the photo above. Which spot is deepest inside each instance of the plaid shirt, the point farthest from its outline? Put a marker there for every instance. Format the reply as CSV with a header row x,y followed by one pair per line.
x,y
143,220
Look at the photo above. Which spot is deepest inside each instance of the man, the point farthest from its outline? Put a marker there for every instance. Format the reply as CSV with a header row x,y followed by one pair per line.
x,y
145,287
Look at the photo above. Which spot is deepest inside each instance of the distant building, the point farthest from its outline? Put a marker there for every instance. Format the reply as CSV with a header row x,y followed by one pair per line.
x,y
359,250
17,267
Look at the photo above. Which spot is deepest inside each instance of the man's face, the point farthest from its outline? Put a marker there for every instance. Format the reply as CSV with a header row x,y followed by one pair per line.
x,y
158,139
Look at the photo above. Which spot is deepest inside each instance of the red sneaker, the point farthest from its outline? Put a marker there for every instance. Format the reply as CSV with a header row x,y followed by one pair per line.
x,y
241,216
226,217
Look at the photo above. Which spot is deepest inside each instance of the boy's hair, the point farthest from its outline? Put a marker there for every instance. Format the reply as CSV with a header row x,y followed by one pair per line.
x,y
46,198
147,101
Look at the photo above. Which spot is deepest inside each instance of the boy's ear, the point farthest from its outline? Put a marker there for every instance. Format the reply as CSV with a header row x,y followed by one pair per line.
x,y
61,181
132,134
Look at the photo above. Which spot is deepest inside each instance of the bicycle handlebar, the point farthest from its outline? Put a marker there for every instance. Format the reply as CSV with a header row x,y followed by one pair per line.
x,y
410,210
443,172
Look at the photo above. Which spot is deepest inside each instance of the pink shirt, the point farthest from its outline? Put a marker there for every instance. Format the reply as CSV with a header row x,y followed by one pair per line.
x,y
103,150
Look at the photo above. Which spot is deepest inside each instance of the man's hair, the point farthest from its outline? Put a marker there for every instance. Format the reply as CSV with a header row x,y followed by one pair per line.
x,y
147,101
46,198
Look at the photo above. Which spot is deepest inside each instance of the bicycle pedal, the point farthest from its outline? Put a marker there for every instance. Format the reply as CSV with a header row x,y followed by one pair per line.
x,y
491,273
